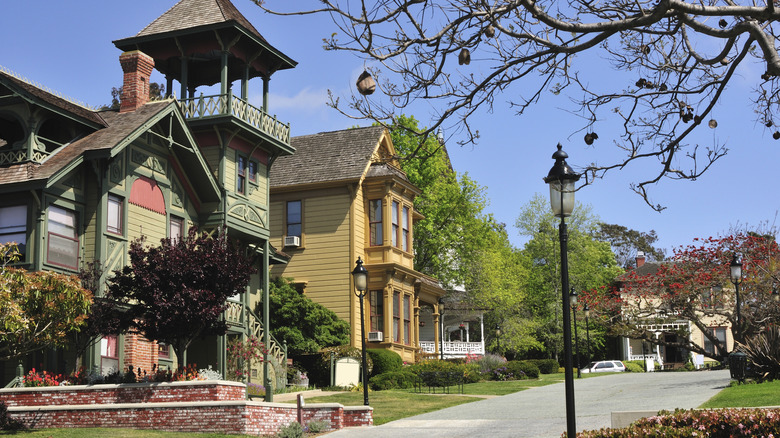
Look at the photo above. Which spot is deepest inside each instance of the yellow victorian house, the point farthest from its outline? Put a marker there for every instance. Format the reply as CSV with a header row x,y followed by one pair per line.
x,y
342,196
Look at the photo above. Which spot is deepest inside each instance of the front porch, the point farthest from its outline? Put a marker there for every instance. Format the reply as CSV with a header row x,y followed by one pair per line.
x,y
463,333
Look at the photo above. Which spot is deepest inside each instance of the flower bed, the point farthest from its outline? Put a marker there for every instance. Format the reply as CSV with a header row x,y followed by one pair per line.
x,y
713,423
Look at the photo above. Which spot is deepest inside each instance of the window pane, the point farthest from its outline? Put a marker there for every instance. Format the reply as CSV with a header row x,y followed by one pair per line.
x,y
63,245
114,223
294,218
13,225
394,236
377,310
252,171
405,226
375,222
63,220
396,316
407,319
177,228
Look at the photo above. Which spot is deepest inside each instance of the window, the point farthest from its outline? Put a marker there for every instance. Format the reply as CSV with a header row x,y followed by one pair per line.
x,y
241,175
252,171
163,351
294,218
115,214
396,316
375,222
13,225
407,318
720,335
394,236
712,298
176,228
376,310
109,356
405,229
63,245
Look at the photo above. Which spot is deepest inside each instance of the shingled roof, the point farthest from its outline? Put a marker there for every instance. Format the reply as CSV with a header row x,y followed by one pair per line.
x,y
327,157
118,127
188,14
49,99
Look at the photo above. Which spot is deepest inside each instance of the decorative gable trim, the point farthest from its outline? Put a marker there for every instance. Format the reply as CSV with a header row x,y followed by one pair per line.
x,y
145,193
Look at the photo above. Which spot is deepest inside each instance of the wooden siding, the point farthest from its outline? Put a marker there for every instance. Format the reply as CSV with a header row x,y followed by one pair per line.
x,y
143,222
324,262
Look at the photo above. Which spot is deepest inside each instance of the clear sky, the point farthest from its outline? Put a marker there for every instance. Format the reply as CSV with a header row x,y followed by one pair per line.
x,y
67,47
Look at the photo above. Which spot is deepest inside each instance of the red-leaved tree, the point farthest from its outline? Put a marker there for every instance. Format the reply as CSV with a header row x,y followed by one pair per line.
x,y
175,292
695,286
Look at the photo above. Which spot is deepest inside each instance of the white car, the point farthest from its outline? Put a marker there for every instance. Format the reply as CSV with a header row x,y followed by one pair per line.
x,y
605,366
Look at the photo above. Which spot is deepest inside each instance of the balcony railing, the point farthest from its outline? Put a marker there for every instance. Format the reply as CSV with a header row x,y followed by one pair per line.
x,y
230,105
454,348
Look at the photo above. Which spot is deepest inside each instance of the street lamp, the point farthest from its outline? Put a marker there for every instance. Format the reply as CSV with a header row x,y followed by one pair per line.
x,y
573,302
587,329
562,179
360,275
441,327
736,278
498,338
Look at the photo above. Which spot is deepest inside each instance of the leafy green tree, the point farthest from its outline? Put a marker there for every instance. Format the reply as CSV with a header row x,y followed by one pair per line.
x,y
37,309
175,292
627,242
306,326
591,264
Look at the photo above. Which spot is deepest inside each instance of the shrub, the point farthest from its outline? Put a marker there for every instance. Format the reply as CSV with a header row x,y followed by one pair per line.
x,y
292,430
400,379
763,352
546,366
8,423
713,423
384,361
439,372
523,369
317,426
633,367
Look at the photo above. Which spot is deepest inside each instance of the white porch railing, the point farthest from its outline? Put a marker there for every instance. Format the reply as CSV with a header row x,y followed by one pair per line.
x,y
454,348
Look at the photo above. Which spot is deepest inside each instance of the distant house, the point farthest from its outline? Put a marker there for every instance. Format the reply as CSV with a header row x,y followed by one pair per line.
x,y
340,197
78,185
666,325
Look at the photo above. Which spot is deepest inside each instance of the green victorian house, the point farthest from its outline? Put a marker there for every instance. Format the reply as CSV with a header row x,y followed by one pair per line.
x,y
78,185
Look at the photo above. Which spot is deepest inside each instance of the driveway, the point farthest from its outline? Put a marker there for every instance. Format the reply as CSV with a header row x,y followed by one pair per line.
x,y
541,413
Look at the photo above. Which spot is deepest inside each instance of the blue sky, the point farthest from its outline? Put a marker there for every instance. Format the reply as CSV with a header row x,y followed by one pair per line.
x,y
67,47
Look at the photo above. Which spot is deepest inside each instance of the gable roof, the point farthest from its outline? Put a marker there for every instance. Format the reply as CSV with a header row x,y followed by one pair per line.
x,y
337,156
187,14
50,100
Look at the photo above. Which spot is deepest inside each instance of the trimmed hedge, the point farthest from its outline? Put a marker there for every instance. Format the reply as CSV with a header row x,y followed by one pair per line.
x,y
523,367
633,367
400,379
384,361
546,366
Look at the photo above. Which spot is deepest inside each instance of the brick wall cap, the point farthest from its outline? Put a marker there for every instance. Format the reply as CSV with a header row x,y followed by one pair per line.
x,y
208,383
358,408
115,406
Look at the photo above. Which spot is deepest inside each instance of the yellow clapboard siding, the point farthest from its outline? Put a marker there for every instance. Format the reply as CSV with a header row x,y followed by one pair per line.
x,y
147,223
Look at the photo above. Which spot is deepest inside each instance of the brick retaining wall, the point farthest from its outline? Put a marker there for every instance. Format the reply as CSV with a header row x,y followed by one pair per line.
x,y
198,406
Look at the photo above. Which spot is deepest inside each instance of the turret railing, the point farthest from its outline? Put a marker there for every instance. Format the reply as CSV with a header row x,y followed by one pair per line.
x,y
229,105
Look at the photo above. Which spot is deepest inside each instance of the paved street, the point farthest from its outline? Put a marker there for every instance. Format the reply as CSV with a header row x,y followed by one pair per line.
x,y
540,412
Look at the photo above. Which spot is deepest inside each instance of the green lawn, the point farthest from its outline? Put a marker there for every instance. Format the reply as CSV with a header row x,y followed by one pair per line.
x,y
746,396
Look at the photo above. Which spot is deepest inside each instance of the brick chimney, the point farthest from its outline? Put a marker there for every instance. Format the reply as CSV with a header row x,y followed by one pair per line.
x,y
137,67
640,259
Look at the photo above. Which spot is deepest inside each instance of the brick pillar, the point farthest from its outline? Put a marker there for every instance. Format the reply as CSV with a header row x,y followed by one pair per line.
x,y
137,67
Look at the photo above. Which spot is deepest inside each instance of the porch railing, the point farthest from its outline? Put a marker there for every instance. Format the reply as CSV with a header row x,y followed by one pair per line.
x,y
454,348
230,105
234,315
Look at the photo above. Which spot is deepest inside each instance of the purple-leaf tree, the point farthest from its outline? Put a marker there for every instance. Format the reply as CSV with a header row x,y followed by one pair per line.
x,y
176,292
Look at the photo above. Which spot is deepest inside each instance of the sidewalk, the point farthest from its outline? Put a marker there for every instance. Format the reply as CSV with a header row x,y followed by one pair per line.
x,y
540,412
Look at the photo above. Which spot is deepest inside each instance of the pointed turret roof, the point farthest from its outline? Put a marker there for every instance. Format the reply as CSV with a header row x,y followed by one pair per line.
x,y
188,14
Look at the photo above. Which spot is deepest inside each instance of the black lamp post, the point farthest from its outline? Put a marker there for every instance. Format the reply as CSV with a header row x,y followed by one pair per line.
x,y
360,275
562,180
587,330
441,328
573,302
736,278
498,339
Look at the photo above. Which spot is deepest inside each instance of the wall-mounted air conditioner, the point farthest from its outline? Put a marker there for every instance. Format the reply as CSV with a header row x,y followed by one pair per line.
x,y
292,241
375,336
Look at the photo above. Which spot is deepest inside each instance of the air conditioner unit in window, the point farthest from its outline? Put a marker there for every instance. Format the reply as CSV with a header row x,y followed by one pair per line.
x,y
292,241
375,336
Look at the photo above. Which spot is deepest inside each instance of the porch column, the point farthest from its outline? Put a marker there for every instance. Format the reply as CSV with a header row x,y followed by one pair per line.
x,y
437,331
482,332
